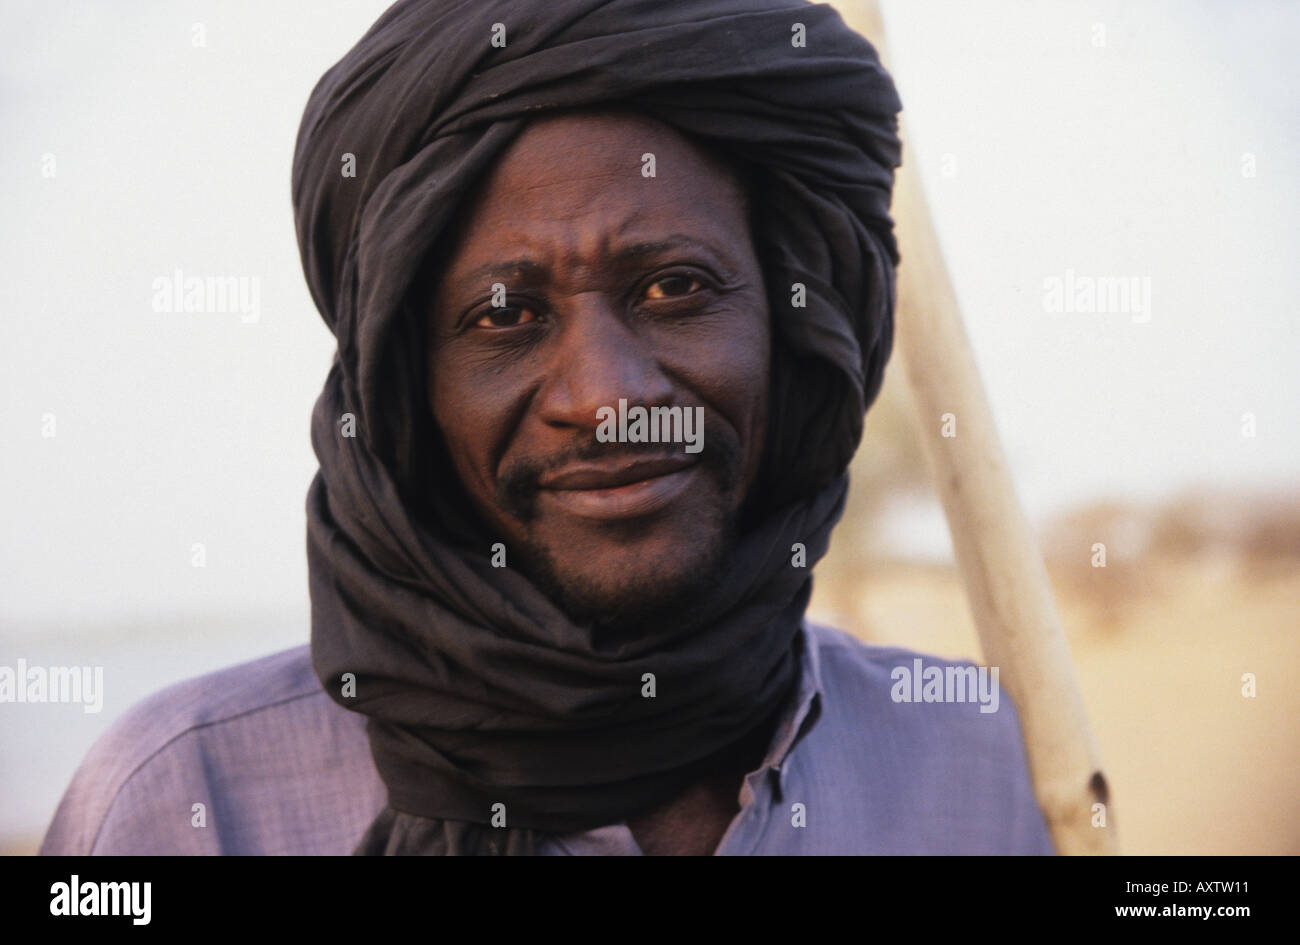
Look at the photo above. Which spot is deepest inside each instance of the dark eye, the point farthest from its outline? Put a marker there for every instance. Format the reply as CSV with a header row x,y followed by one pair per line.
x,y
673,286
507,316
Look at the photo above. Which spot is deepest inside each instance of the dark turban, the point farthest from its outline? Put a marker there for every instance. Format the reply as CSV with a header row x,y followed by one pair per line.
x,y
479,690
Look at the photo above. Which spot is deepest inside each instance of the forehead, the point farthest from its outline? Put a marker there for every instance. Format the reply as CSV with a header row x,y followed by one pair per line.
x,y
581,184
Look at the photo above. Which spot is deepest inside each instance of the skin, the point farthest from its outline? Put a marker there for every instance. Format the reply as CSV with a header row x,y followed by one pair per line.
x,y
618,286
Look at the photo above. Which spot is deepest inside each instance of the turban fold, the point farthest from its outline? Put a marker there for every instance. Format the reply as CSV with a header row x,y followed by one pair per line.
x,y
479,691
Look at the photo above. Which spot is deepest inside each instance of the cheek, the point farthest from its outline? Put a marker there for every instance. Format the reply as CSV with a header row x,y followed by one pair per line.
x,y
731,371
473,407
753,383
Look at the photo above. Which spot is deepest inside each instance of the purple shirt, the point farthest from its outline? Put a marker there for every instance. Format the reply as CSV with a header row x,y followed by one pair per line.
x,y
280,768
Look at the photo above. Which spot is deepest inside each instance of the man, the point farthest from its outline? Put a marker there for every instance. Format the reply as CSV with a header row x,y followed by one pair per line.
x,y
613,288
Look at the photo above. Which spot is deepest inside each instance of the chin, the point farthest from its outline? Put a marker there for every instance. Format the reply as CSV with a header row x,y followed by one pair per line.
x,y
627,587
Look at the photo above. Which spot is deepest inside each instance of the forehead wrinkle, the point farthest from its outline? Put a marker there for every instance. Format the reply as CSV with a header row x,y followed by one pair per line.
x,y
560,243
537,269
586,227
526,178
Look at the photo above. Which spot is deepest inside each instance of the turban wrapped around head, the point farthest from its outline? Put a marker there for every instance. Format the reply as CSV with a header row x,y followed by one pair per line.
x,y
478,689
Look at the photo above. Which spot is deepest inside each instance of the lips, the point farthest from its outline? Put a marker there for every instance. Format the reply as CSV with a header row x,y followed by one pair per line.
x,y
619,488
610,474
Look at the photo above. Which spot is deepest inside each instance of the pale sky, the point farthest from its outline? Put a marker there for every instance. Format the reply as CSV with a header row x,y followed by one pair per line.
x,y
1043,151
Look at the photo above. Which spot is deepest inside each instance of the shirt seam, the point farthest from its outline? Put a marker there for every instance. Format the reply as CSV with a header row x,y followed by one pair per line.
x,y
108,808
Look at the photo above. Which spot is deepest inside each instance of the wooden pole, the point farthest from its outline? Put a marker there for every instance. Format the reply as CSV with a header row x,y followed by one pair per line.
x,y
997,555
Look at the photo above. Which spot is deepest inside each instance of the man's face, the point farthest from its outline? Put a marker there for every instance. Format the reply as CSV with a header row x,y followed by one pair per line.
x,y
617,286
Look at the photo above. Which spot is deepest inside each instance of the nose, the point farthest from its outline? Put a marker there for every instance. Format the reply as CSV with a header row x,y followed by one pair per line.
x,y
599,357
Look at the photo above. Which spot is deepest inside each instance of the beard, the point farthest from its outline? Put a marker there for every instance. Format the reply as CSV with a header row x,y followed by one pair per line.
x,y
648,597
646,600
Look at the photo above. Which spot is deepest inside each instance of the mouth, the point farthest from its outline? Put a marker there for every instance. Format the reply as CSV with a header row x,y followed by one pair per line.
x,y
620,489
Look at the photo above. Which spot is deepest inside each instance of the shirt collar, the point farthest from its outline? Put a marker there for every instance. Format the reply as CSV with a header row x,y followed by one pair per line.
x,y
804,709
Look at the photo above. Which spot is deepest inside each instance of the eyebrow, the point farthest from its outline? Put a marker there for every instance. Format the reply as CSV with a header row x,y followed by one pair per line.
x,y
531,268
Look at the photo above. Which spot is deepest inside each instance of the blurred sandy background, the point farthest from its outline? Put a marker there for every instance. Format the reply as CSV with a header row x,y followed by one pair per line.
x,y
1197,590
1042,151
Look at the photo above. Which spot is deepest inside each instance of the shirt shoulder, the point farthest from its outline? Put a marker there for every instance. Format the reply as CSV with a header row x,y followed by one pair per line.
x,y
926,751
946,697
252,759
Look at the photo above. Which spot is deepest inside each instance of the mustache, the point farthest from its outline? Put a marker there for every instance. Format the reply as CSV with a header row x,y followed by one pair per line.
x,y
519,483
